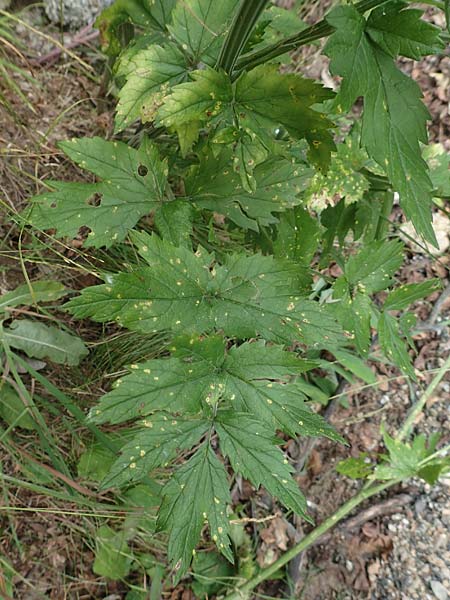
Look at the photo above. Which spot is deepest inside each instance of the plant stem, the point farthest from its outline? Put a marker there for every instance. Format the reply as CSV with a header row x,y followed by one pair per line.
x,y
307,36
418,406
308,540
240,30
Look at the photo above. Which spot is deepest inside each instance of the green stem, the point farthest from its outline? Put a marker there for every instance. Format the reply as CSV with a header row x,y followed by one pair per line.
x,y
307,36
240,30
308,540
418,406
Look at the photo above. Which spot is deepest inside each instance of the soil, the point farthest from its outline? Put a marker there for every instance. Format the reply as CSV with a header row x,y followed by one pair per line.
x,y
402,556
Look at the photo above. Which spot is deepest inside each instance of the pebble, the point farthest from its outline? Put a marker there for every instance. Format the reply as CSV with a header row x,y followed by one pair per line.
x,y
438,590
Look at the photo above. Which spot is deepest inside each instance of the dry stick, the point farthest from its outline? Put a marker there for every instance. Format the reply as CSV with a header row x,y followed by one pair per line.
x,y
369,489
82,37
387,507
438,305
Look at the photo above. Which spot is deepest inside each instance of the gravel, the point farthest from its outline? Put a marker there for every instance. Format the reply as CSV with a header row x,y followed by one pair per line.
x,y
419,566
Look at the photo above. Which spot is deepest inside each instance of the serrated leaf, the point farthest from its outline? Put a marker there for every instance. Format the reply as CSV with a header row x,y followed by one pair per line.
x,y
406,294
45,341
399,30
259,382
37,291
184,510
199,27
161,384
406,460
394,119
124,64
254,377
152,72
13,410
213,185
258,102
298,235
393,344
246,296
174,222
154,446
372,268
133,184
113,558
258,458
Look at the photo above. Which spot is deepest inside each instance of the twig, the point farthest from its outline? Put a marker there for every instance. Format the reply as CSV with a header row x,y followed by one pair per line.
x,y
388,507
77,40
438,305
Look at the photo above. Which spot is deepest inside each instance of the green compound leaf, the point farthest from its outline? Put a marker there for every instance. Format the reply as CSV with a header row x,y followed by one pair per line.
x,y
408,460
254,377
45,341
154,446
214,185
152,72
199,27
197,492
406,294
259,102
36,291
170,384
185,292
257,457
394,120
132,184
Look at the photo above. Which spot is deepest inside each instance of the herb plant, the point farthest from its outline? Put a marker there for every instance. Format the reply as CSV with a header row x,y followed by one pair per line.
x,y
235,198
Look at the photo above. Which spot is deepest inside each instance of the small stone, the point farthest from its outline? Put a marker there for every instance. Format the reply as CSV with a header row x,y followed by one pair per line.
x,y
439,590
